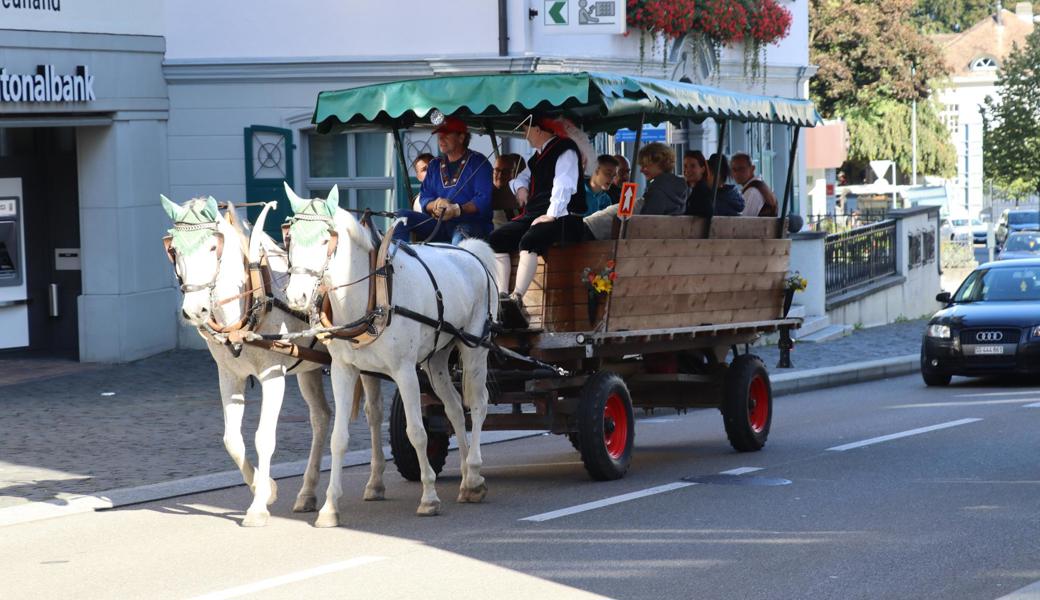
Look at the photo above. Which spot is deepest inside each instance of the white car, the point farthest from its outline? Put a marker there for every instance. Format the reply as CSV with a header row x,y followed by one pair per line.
x,y
966,229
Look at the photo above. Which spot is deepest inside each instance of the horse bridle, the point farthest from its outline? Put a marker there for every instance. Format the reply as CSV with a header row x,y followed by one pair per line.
x,y
171,253
330,251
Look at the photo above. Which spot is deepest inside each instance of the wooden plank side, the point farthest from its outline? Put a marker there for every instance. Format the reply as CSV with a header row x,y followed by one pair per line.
x,y
669,266
753,228
632,323
643,227
689,284
706,248
689,303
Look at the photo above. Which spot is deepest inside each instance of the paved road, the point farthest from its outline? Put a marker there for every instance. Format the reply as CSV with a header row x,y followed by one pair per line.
x,y
948,511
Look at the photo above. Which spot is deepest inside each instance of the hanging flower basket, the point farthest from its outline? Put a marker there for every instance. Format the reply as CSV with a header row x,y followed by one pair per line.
x,y
755,23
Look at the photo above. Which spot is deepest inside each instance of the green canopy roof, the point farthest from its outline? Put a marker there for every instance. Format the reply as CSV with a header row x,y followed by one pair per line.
x,y
596,101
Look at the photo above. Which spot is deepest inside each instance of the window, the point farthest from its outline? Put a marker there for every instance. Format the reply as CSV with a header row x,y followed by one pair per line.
x,y
983,63
361,164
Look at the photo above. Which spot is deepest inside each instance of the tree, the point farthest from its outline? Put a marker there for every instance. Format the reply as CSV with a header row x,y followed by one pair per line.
x,y
865,51
950,16
1011,125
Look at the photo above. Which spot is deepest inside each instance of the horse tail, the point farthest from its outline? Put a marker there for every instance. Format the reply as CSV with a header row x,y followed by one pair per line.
x,y
483,252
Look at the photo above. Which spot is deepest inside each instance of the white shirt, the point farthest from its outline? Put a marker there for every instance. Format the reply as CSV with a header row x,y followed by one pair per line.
x,y
753,201
565,181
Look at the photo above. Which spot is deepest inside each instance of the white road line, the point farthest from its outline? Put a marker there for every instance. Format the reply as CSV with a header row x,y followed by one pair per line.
x,y
563,512
964,403
741,471
901,434
1030,592
266,584
1033,405
995,394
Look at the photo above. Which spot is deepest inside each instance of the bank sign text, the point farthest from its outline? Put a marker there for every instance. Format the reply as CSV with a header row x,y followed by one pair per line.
x,y
46,85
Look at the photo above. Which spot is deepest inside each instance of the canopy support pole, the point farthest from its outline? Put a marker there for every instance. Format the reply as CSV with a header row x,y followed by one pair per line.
x,y
494,140
718,167
404,164
635,148
789,185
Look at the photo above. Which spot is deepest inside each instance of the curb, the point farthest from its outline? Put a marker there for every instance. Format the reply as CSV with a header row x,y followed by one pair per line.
x,y
783,384
826,377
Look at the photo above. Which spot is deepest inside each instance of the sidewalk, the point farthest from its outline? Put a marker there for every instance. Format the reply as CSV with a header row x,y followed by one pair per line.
x,y
69,429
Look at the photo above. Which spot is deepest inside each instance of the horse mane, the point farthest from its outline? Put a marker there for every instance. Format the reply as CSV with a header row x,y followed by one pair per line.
x,y
347,222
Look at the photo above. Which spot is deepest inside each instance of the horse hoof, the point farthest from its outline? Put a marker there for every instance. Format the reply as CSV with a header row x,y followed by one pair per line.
x,y
473,495
327,520
429,509
305,504
375,492
255,519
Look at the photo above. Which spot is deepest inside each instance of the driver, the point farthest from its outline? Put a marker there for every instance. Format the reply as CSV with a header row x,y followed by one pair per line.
x,y
552,196
456,189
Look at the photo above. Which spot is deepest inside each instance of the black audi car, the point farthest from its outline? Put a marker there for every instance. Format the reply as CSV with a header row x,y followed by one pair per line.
x,y
990,326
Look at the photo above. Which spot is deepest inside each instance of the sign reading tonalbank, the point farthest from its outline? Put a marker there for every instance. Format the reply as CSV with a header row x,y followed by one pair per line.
x,y
47,85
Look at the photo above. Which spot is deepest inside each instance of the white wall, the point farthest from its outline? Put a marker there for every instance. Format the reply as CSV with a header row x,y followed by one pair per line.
x,y
250,30
136,17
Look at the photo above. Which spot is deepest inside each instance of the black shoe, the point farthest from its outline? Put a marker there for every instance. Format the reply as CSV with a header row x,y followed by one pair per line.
x,y
512,313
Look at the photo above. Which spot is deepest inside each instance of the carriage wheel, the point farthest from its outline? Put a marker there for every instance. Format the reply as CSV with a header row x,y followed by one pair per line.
x,y
606,426
747,403
401,447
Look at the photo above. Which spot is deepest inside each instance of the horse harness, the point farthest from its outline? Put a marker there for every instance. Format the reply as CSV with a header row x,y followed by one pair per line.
x,y
258,300
381,309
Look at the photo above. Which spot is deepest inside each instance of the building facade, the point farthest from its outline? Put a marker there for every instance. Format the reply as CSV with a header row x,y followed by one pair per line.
x,y
83,113
973,58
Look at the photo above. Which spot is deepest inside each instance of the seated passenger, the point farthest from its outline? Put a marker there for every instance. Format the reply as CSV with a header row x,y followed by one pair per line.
x,y
728,201
623,173
503,200
457,191
553,198
665,191
699,199
420,165
597,187
759,200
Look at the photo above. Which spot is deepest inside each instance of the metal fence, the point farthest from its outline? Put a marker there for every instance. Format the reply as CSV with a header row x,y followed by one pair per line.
x,y
835,223
859,256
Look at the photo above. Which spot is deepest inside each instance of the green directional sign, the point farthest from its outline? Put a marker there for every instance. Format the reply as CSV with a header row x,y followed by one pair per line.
x,y
556,12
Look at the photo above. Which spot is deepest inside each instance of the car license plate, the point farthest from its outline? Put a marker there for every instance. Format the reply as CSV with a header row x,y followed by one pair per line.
x,y
989,349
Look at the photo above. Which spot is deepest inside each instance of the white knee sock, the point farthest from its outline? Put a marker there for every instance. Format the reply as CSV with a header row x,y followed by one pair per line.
x,y
525,272
503,269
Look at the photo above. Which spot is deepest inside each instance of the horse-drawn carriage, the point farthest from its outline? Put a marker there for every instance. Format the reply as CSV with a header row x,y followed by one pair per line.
x,y
687,294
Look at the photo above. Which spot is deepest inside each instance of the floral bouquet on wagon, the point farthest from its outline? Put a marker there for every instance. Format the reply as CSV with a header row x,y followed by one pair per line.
x,y
598,285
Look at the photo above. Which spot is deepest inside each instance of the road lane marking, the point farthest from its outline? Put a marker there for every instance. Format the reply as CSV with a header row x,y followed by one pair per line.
x,y
1033,405
995,394
266,584
1030,592
902,434
563,512
741,471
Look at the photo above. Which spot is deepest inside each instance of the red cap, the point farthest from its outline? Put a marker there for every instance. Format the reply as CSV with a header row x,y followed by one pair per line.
x,y
452,125
550,124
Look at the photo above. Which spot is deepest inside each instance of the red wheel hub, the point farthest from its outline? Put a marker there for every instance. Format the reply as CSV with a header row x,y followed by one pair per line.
x,y
615,426
758,404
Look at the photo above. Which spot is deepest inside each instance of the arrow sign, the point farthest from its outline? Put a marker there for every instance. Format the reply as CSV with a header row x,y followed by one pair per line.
x,y
555,10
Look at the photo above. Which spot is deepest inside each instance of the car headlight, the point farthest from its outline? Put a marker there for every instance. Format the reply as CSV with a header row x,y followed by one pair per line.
x,y
941,331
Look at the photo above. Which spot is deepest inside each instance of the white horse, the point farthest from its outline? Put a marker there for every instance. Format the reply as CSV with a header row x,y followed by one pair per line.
x,y
210,257
470,300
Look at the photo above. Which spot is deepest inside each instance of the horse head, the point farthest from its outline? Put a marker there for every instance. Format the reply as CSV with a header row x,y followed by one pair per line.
x,y
318,235
205,267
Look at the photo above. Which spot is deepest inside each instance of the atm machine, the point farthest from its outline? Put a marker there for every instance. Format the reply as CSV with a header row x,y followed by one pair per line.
x,y
14,310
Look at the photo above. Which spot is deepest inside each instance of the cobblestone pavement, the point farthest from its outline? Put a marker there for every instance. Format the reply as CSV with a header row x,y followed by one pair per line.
x,y
71,429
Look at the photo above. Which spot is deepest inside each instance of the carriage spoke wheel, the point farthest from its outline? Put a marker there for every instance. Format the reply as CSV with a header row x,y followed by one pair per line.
x,y
402,451
606,428
747,403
